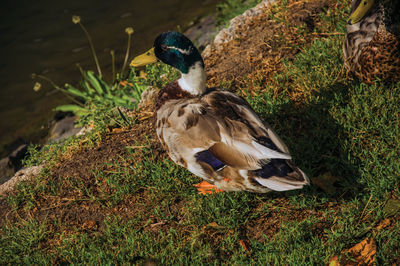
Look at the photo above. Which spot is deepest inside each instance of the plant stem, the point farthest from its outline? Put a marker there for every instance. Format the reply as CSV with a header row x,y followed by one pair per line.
x,y
126,54
92,48
113,65
80,69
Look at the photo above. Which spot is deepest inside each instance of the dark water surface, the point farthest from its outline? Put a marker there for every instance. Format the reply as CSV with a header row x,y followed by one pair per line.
x,y
39,37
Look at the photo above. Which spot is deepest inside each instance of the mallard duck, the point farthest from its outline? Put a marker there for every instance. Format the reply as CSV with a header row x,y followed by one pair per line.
x,y
372,49
214,133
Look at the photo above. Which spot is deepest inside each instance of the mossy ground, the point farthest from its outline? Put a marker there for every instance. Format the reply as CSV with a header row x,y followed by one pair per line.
x,y
114,196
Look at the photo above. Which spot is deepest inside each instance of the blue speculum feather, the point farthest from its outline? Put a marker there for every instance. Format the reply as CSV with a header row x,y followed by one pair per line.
x,y
207,157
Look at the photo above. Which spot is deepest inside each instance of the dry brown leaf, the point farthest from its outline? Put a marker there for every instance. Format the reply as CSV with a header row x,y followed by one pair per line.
x,y
362,254
88,225
383,224
325,182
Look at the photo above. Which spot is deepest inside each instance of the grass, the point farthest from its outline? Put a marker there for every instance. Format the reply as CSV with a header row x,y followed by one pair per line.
x,y
228,9
138,207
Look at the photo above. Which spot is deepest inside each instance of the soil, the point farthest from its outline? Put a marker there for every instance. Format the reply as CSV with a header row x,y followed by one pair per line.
x,y
257,53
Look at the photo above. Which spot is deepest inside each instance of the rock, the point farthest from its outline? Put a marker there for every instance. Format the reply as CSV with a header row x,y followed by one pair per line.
x,y
17,156
12,163
63,129
23,174
6,170
84,130
203,32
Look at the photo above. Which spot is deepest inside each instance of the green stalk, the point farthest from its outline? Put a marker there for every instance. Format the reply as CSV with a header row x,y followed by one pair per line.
x,y
128,31
80,69
92,48
113,65
76,20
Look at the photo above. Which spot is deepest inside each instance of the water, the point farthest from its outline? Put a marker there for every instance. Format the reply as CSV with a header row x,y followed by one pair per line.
x,y
39,37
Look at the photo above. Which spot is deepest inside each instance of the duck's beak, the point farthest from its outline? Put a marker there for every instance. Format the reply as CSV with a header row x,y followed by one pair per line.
x,y
361,11
144,59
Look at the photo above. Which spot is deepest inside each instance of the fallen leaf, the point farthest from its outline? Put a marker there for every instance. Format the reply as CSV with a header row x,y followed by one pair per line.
x,y
325,182
392,207
88,225
361,254
383,224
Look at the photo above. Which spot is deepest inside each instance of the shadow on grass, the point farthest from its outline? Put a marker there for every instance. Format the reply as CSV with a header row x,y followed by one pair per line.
x,y
318,142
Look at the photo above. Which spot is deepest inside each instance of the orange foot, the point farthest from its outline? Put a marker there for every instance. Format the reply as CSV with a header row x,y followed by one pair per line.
x,y
206,188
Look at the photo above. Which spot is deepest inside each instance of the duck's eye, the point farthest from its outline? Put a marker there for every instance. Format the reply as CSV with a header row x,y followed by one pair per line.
x,y
164,47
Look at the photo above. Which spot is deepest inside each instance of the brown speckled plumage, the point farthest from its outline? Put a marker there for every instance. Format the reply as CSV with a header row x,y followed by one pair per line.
x,y
372,48
222,124
169,92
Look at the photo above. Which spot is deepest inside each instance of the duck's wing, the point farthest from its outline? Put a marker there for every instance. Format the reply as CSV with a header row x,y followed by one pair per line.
x,y
221,129
242,131
223,124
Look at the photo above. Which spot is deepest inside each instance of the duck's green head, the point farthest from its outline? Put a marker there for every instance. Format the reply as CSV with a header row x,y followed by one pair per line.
x,y
360,8
172,48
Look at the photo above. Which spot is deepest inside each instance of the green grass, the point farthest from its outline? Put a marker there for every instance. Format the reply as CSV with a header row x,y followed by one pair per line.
x,y
336,125
21,243
229,9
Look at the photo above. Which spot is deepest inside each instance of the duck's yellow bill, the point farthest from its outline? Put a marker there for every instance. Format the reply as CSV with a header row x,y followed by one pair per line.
x,y
144,59
361,11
